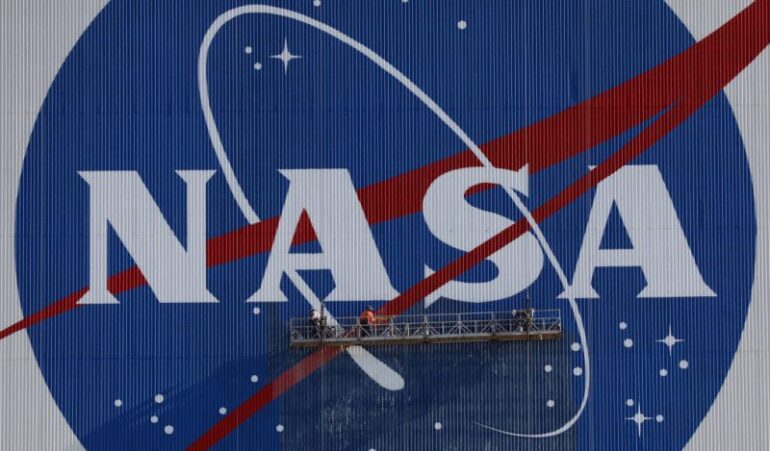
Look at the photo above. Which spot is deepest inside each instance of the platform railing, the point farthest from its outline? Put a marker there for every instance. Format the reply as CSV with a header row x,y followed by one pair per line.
x,y
441,327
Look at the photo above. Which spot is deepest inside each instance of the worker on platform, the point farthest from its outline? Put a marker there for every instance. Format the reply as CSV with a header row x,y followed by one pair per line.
x,y
519,320
530,315
367,319
316,321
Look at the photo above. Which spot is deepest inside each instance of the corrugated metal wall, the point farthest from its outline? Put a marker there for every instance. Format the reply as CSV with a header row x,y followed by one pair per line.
x,y
181,179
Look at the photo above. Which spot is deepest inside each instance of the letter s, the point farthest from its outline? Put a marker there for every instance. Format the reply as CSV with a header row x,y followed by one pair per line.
x,y
459,224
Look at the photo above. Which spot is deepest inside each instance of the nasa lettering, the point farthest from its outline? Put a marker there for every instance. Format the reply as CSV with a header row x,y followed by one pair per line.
x,y
177,273
204,174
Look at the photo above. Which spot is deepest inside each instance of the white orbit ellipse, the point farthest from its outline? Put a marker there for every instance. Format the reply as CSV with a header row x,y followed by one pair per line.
x,y
252,217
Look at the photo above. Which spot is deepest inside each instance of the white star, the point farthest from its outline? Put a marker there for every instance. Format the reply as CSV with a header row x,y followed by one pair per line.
x,y
670,340
285,56
639,419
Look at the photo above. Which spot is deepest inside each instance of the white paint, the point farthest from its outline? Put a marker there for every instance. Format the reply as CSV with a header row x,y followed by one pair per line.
x,y
256,310
628,343
462,25
623,326
663,372
548,368
348,250
159,398
670,340
119,199
630,402
154,419
248,50
577,371
453,220
575,347
285,56
118,403
639,418
216,140
660,246
222,410
684,364
254,379
437,426
279,428
169,429
550,403
258,66
659,418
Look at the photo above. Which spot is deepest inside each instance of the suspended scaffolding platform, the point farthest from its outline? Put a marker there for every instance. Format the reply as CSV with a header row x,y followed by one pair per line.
x,y
436,328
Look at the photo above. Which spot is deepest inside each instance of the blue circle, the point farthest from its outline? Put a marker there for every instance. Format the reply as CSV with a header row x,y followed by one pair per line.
x,y
127,99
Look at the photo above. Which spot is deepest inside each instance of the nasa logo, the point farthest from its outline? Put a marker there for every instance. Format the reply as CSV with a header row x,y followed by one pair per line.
x,y
251,162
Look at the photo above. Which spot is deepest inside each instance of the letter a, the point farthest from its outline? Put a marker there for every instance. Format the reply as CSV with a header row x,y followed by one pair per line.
x,y
347,245
660,247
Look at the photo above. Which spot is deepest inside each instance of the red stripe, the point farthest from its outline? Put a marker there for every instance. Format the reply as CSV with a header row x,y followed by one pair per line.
x,y
118,283
753,19
543,144
557,138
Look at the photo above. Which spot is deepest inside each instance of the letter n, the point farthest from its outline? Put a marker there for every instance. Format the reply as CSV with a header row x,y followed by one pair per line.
x,y
119,199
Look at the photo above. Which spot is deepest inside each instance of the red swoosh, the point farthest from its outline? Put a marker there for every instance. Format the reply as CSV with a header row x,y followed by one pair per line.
x,y
687,80
696,79
556,139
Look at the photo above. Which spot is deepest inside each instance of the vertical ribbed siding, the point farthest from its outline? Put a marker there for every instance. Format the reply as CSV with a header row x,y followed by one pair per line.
x,y
35,39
